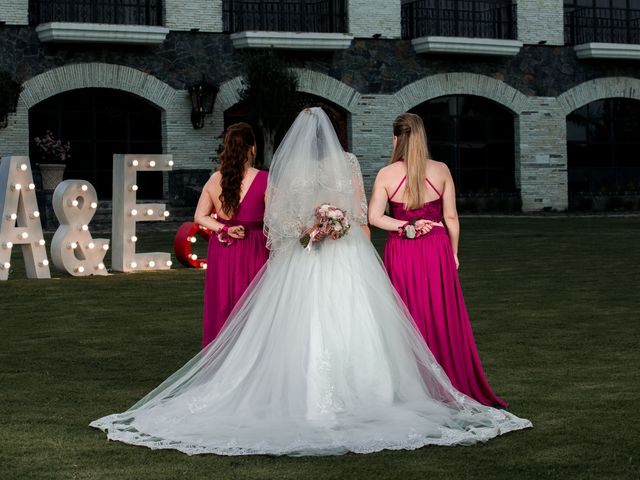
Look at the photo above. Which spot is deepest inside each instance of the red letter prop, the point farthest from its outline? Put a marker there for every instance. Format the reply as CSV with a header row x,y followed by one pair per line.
x,y
185,238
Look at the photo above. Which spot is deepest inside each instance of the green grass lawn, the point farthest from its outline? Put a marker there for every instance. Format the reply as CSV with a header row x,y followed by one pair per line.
x,y
554,304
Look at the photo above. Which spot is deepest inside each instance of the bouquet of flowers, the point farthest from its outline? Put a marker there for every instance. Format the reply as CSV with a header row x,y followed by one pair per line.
x,y
51,149
331,222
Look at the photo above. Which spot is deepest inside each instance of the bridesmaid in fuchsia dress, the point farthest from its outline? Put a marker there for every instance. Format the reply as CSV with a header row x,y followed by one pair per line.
x,y
421,254
237,250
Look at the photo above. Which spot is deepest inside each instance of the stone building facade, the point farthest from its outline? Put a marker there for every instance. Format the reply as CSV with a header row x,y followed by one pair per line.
x,y
374,70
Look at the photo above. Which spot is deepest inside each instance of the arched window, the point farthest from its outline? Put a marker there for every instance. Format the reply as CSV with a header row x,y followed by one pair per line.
x,y
603,141
99,122
475,138
241,112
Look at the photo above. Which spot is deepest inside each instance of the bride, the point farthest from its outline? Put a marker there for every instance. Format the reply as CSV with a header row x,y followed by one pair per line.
x,y
320,356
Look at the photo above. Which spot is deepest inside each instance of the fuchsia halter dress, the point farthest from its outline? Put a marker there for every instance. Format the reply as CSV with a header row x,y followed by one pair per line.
x,y
230,269
423,271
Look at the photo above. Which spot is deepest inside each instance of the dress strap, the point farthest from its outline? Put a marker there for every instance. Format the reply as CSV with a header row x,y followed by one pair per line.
x,y
398,187
434,188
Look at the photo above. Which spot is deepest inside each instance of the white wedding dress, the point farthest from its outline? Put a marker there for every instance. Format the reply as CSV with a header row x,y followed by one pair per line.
x,y
320,357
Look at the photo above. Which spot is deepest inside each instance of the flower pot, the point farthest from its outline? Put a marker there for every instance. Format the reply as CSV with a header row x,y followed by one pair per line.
x,y
51,175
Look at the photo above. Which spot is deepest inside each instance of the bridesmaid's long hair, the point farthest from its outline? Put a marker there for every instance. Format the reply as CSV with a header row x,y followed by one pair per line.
x,y
411,147
238,140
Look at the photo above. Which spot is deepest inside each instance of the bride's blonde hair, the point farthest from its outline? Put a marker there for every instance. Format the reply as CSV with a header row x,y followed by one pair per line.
x,y
411,146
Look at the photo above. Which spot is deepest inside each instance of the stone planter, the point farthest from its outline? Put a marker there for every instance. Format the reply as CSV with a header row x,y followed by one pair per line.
x,y
52,174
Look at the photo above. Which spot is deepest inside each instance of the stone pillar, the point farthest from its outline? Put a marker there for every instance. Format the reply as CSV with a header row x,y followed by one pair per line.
x,y
372,133
14,12
204,15
542,155
541,21
374,17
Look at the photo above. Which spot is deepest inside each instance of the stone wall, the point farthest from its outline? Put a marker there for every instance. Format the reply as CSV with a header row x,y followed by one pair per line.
x,y
203,15
373,81
541,21
374,17
14,12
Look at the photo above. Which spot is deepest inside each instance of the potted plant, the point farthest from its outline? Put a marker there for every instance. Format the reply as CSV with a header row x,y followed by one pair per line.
x,y
53,153
9,93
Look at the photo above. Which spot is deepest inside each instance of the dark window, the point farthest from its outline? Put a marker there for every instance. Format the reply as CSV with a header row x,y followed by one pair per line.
x,y
100,122
613,21
603,141
123,12
285,15
475,138
459,18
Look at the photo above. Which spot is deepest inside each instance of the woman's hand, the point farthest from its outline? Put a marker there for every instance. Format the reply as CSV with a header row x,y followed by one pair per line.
x,y
236,232
455,258
423,226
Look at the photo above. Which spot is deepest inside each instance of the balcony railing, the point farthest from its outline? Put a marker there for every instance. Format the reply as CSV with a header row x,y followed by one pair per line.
x,y
602,25
459,18
321,16
118,12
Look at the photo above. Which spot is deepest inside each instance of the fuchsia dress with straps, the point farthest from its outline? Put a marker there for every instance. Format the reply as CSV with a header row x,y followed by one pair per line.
x,y
230,269
423,271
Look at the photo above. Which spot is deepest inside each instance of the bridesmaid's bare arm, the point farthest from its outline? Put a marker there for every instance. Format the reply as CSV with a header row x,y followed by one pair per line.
x,y
378,203
205,207
449,211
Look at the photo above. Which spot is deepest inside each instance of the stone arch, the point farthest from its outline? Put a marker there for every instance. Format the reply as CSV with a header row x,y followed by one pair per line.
x,y
96,75
598,89
309,81
461,83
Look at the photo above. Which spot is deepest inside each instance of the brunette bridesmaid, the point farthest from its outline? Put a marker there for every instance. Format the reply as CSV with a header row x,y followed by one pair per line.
x,y
237,249
420,254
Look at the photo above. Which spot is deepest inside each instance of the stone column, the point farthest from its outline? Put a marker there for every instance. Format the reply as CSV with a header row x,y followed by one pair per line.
x,y
374,17
372,133
541,21
542,155
14,12
204,15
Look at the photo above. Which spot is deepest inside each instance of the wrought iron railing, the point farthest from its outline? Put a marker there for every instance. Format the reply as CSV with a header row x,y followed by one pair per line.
x,y
459,18
123,12
607,25
329,16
